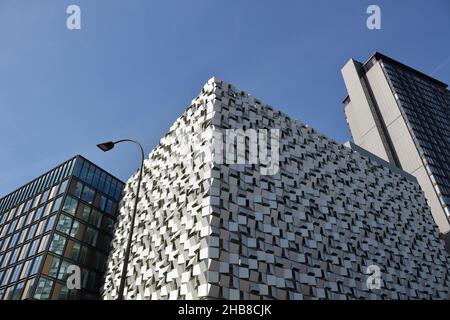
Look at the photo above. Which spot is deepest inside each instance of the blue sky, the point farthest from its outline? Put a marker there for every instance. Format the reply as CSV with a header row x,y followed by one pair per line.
x,y
135,66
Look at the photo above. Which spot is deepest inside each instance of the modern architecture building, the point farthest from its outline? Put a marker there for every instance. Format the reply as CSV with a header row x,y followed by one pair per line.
x,y
64,217
314,220
403,116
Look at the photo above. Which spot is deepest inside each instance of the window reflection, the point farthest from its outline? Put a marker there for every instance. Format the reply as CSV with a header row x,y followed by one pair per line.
x,y
64,224
63,187
70,205
25,234
43,289
88,195
58,244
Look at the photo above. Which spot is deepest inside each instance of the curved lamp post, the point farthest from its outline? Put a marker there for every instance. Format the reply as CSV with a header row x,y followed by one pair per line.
x,y
106,146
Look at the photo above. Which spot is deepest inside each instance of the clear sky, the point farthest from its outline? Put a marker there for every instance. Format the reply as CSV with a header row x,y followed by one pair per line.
x,y
135,66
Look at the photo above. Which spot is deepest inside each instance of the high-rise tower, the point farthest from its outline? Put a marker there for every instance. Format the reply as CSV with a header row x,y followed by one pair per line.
x,y
403,116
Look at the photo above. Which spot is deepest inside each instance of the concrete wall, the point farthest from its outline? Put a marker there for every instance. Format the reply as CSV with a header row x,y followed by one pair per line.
x,y
360,117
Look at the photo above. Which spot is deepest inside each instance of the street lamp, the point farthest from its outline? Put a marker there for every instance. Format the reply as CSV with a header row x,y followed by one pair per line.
x,y
106,146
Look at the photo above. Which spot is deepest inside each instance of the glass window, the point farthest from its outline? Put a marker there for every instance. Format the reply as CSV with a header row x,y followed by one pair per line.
x,y
40,228
14,239
15,256
83,254
83,173
78,189
38,213
50,222
57,204
86,213
8,293
84,278
5,243
63,270
75,251
118,192
53,192
109,224
28,205
44,243
64,224
44,197
36,264
74,230
5,259
12,226
77,167
54,267
43,289
30,217
70,205
102,181
34,246
36,201
64,293
15,275
32,231
58,244
18,292
19,210
88,195
95,218
63,187
112,190
28,286
24,251
6,277
91,236
48,206
26,269
90,174
108,184
96,177
102,204
3,218
108,208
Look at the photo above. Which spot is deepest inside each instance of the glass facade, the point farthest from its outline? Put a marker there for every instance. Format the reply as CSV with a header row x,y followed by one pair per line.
x,y
424,103
65,217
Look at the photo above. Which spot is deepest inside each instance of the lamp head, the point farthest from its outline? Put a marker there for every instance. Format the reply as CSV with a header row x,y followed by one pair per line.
x,y
106,146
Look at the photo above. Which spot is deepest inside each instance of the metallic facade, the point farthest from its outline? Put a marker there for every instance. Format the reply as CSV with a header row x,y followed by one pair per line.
x,y
210,229
403,116
64,217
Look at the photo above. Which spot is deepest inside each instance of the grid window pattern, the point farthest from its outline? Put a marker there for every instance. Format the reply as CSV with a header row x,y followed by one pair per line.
x,y
425,106
36,186
70,222
82,237
98,179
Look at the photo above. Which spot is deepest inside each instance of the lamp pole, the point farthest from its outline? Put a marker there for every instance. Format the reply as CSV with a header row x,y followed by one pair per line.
x,y
106,146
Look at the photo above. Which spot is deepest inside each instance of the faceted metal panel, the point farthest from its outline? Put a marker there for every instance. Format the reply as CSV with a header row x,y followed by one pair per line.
x,y
209,229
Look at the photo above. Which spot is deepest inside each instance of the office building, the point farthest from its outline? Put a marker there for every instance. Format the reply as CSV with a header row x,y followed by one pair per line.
x,y
316,221
63,218
403,116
